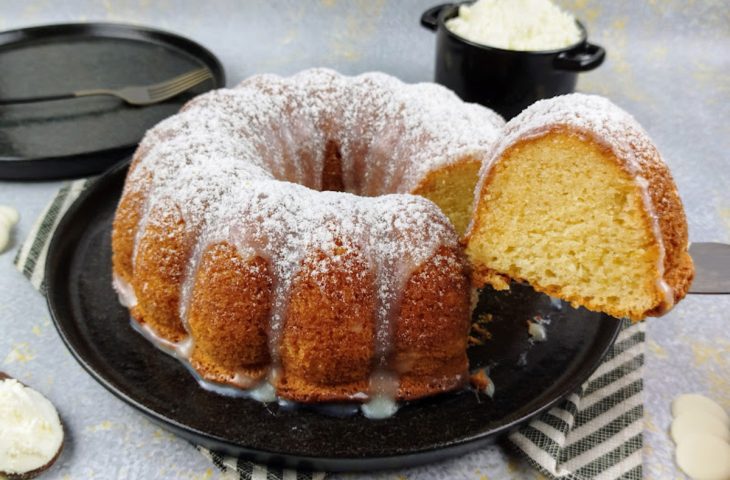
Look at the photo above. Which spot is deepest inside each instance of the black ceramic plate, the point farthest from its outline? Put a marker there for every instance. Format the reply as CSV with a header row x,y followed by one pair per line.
x,y
97,331
83,136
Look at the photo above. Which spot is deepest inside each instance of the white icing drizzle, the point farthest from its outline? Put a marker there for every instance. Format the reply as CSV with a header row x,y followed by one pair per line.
x,y
180,350
240,385
379,407
381,397
606,123
661,284
243,166
125,292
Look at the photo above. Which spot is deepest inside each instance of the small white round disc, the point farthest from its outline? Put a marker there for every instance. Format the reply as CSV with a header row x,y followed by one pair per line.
x,y
4,237
9,215
698,421
704,457
695,401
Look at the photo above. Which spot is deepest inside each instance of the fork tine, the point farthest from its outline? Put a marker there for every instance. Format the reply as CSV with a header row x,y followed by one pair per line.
x,y
182,77
177,86
171,92
197,76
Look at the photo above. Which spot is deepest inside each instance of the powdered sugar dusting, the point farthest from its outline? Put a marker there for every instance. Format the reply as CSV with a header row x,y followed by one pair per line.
x,y
590,114
244,166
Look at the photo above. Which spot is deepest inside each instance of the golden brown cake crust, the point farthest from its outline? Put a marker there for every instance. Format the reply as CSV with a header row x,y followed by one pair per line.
x,y
678,266
328,343
433,360
228,317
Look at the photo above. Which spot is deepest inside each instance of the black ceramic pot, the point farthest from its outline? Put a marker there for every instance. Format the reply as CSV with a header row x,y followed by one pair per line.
x,y
506,81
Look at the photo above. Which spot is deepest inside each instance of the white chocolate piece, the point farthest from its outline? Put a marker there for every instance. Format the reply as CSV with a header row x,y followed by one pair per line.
x,y
4,238
704,457
9,215
8,218
32,434
698,421
695,401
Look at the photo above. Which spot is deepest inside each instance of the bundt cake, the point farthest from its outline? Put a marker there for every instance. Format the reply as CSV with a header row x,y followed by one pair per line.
x,y
269,235
576,201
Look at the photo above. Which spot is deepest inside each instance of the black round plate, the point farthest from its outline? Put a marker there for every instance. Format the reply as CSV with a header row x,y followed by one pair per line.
x,y
83,136
97,331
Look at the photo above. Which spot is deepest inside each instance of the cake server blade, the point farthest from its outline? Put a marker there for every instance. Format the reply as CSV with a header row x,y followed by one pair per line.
x,y
712,267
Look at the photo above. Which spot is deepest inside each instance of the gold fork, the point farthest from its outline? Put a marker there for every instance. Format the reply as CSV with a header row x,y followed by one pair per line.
x,y
133,95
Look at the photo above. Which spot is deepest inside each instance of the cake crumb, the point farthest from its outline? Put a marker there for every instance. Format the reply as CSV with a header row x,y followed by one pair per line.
x,y
479,333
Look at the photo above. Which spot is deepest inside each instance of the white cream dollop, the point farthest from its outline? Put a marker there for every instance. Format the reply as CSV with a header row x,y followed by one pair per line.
x,y
8,218
524,25
32,434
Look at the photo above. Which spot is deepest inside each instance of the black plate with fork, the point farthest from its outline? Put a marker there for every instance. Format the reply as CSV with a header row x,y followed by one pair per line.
x,y
529,377
83,136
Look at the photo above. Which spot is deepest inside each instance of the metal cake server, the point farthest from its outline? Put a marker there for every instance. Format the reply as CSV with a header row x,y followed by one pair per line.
x,y
712,267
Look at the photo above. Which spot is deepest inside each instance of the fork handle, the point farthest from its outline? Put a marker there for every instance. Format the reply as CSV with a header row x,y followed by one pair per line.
x,y
96,91
45,98
62,96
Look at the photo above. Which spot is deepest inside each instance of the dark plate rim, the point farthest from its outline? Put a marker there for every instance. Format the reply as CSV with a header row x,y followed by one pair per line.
x,y
413,458
35,168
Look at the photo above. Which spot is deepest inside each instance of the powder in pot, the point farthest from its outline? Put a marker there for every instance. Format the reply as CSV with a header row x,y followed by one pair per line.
x,y
523,25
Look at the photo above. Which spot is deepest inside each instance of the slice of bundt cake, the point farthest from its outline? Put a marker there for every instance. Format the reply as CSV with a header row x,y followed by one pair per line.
x,y
576,201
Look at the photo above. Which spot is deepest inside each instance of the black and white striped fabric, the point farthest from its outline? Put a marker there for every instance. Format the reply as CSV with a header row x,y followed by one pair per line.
x,y
246,470
595,433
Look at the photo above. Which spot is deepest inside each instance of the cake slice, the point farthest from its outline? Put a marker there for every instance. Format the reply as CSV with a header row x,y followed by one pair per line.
x,y
576,201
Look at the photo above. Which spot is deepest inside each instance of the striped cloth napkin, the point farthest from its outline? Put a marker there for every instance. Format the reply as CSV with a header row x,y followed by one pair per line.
x,y
596,433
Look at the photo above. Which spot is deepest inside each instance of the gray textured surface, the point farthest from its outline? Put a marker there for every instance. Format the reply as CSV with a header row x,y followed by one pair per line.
x,y
668,63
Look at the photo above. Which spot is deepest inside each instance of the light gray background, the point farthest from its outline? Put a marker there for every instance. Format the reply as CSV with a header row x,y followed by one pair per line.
x,y
668,64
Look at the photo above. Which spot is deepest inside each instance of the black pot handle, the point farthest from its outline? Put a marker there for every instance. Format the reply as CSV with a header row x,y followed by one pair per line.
x,y
586,57
430,18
